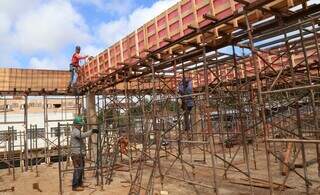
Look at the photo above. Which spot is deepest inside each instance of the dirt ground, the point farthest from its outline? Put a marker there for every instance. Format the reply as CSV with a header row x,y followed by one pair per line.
x,y
48,179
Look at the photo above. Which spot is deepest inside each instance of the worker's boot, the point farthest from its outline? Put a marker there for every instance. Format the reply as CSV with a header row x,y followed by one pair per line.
x,y
78,188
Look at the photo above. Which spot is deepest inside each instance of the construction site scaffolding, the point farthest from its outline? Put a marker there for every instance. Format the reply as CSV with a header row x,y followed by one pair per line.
x,y
254,121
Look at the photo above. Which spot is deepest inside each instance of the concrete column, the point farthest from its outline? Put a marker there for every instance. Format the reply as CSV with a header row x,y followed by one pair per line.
x,y
91,116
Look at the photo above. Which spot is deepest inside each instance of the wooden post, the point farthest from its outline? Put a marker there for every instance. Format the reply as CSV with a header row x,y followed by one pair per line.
x,y
92,123
287,156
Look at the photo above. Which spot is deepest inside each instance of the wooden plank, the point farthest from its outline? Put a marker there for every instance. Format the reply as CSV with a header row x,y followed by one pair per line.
x,y
36,80
4,79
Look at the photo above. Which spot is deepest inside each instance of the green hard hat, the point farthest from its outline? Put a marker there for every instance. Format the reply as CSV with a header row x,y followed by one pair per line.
x,y
78,120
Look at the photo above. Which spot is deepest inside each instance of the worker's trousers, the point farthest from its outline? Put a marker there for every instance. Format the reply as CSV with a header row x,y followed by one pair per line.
x,y
187,118
78,173
74,75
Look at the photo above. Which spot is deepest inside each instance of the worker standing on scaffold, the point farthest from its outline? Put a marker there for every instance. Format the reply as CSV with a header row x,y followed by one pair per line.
x,y
75,66
185,90
78,152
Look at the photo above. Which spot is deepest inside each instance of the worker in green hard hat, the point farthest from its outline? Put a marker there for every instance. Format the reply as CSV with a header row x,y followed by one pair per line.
x,y
78,151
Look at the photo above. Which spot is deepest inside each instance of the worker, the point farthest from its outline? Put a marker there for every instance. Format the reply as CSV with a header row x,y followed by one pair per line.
x,y
185,90
75,66
78,151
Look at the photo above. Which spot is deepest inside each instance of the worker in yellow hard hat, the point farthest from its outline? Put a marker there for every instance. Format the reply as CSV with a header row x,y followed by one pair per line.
x,y
78,151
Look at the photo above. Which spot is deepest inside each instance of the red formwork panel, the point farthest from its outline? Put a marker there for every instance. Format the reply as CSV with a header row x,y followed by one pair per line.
x,y
222,8
223,72
201,78
198,78
112,54
100,63
203,7
230,73
116,55
133,48
86,71
103,62
172,24
249,69
126,48
129,48
299,59
151,35
162,29
172,84
93,69
119,54
210,77
187,16
80,79
83,75
142,42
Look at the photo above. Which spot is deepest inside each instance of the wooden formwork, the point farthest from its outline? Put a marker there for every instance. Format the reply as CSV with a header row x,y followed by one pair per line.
x,y
174,23
24,80
268,62
4,78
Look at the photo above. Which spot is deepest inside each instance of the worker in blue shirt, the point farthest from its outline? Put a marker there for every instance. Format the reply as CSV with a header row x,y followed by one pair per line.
x,y
185,90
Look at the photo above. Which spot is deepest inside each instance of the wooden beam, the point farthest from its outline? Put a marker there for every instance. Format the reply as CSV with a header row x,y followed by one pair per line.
x,y
210,17
243,2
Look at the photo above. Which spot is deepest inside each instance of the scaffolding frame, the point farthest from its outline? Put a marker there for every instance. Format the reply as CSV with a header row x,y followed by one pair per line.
x,y
267,86
260,97
31,153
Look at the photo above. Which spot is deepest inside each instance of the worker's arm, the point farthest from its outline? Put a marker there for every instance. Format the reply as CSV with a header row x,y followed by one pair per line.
x,y
81,57
81,135
181,89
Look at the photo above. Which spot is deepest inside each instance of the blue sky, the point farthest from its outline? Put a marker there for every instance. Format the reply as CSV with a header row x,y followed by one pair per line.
x,y
42,33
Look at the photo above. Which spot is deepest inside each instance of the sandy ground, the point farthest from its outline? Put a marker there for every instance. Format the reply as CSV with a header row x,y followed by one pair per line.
x,y
49,183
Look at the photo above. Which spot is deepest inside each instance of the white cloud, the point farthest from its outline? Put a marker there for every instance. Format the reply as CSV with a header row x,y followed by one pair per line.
x,y
5,24
44,63
15,8
91,50
113,31
59,62
50,27
41,28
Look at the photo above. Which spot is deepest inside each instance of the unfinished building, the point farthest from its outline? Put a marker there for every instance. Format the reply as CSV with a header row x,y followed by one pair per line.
x,y
253,124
